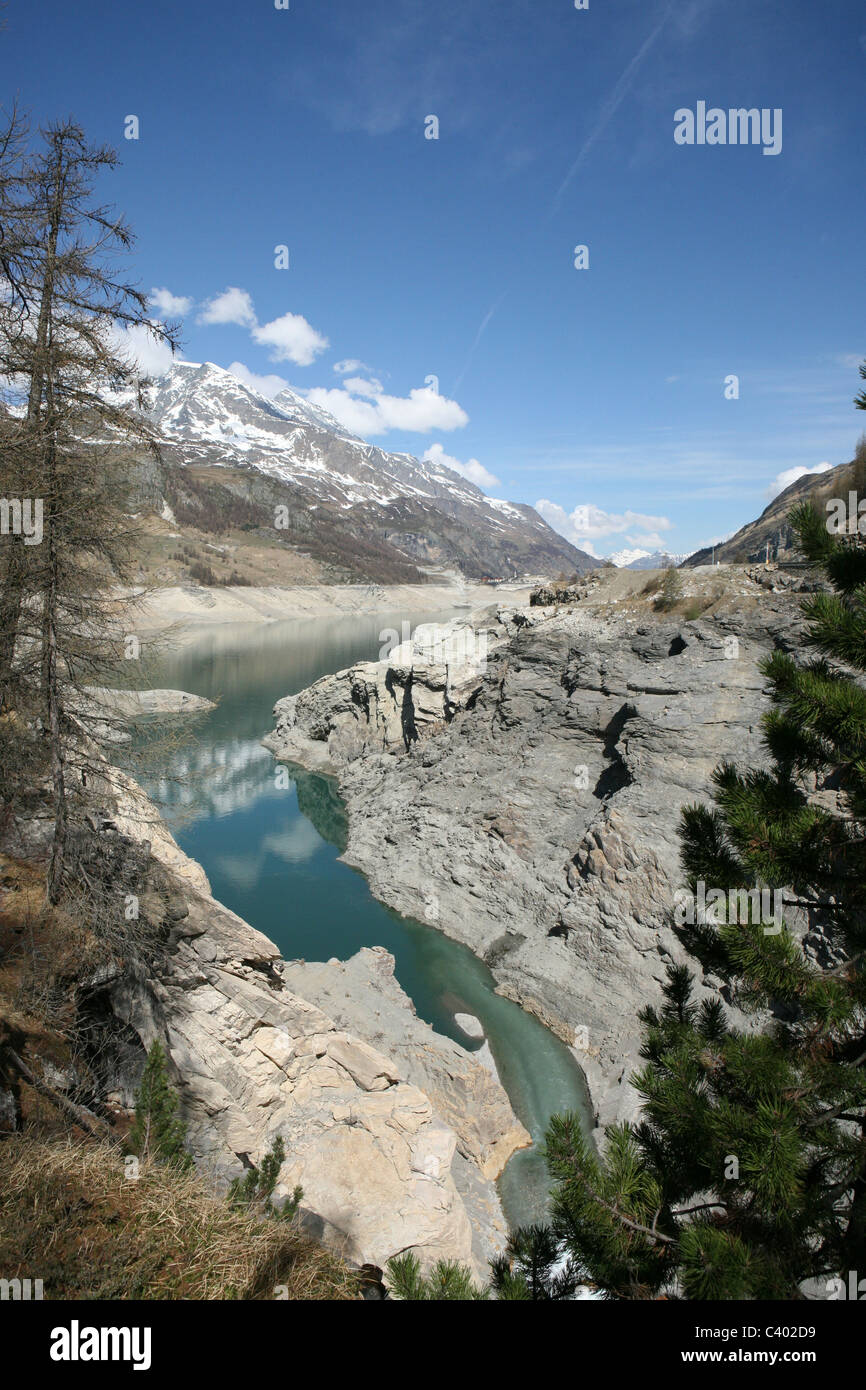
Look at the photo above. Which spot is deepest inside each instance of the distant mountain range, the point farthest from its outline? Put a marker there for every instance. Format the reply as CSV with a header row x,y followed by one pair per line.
x,y
232,459
232,456
645,559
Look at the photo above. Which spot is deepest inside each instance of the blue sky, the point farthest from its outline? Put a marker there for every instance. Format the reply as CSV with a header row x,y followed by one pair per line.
x,y
601,391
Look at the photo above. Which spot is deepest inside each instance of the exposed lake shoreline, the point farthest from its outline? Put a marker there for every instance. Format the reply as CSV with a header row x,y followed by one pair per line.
x,y
231,663
188,609
395,1133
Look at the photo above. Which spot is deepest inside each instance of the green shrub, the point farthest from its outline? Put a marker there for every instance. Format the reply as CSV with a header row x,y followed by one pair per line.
x,y
671,591
157,1131
255,1191
447,1282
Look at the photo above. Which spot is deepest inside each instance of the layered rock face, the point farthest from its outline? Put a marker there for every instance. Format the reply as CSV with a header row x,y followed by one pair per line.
x,y
533,814
384,706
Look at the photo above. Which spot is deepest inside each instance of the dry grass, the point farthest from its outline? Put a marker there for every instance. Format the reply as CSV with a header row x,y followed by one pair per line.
x,y
43,953
70,1217
68,1214
632,594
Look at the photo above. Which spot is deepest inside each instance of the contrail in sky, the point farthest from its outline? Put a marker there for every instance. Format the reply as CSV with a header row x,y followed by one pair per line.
x,y
609,108
611,105
478,336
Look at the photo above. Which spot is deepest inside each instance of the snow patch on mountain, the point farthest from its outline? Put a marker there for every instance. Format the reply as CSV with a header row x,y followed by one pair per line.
x,y
212,417
287,437
645,559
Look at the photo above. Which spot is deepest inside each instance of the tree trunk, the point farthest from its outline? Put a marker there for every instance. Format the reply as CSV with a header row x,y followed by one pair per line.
x,y
54,712
11,598
14,576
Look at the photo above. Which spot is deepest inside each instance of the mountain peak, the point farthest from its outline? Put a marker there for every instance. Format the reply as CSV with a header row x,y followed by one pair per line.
x,y
421,508
645,559
191,391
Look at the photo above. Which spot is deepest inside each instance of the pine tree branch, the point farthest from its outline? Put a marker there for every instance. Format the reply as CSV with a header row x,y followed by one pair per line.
x,y
837,1113
627,1221
702,1206
842,967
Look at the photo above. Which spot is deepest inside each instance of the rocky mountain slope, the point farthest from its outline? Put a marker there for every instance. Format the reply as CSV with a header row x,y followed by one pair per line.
x,y
350,510
526,800
771,533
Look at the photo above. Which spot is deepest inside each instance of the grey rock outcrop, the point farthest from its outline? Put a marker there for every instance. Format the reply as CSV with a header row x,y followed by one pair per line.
x,y
384,706
537,821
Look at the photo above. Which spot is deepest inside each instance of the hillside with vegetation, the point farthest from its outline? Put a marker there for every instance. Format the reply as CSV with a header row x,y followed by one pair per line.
x,y
772,535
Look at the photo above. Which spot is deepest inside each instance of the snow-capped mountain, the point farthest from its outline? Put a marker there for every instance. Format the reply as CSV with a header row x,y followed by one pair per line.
x,y
419,509
200,400
625,558
645,559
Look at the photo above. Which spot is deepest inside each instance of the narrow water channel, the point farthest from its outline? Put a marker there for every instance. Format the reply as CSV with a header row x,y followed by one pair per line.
x,y
272,856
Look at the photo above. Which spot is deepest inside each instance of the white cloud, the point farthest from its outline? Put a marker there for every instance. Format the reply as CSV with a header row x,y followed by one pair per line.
x,y
790,475
357,416
471,469
359,386
649,538
348,365
232,306
168,305
270,385
291,339
713,540
420,412
587,524
138,344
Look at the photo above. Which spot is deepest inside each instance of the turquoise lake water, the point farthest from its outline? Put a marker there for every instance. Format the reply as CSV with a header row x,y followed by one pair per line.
x,y
272,856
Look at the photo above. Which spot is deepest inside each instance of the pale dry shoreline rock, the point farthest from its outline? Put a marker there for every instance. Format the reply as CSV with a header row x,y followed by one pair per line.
x,y
193,606
108,712
130,704
362,995
531,810
395,1133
